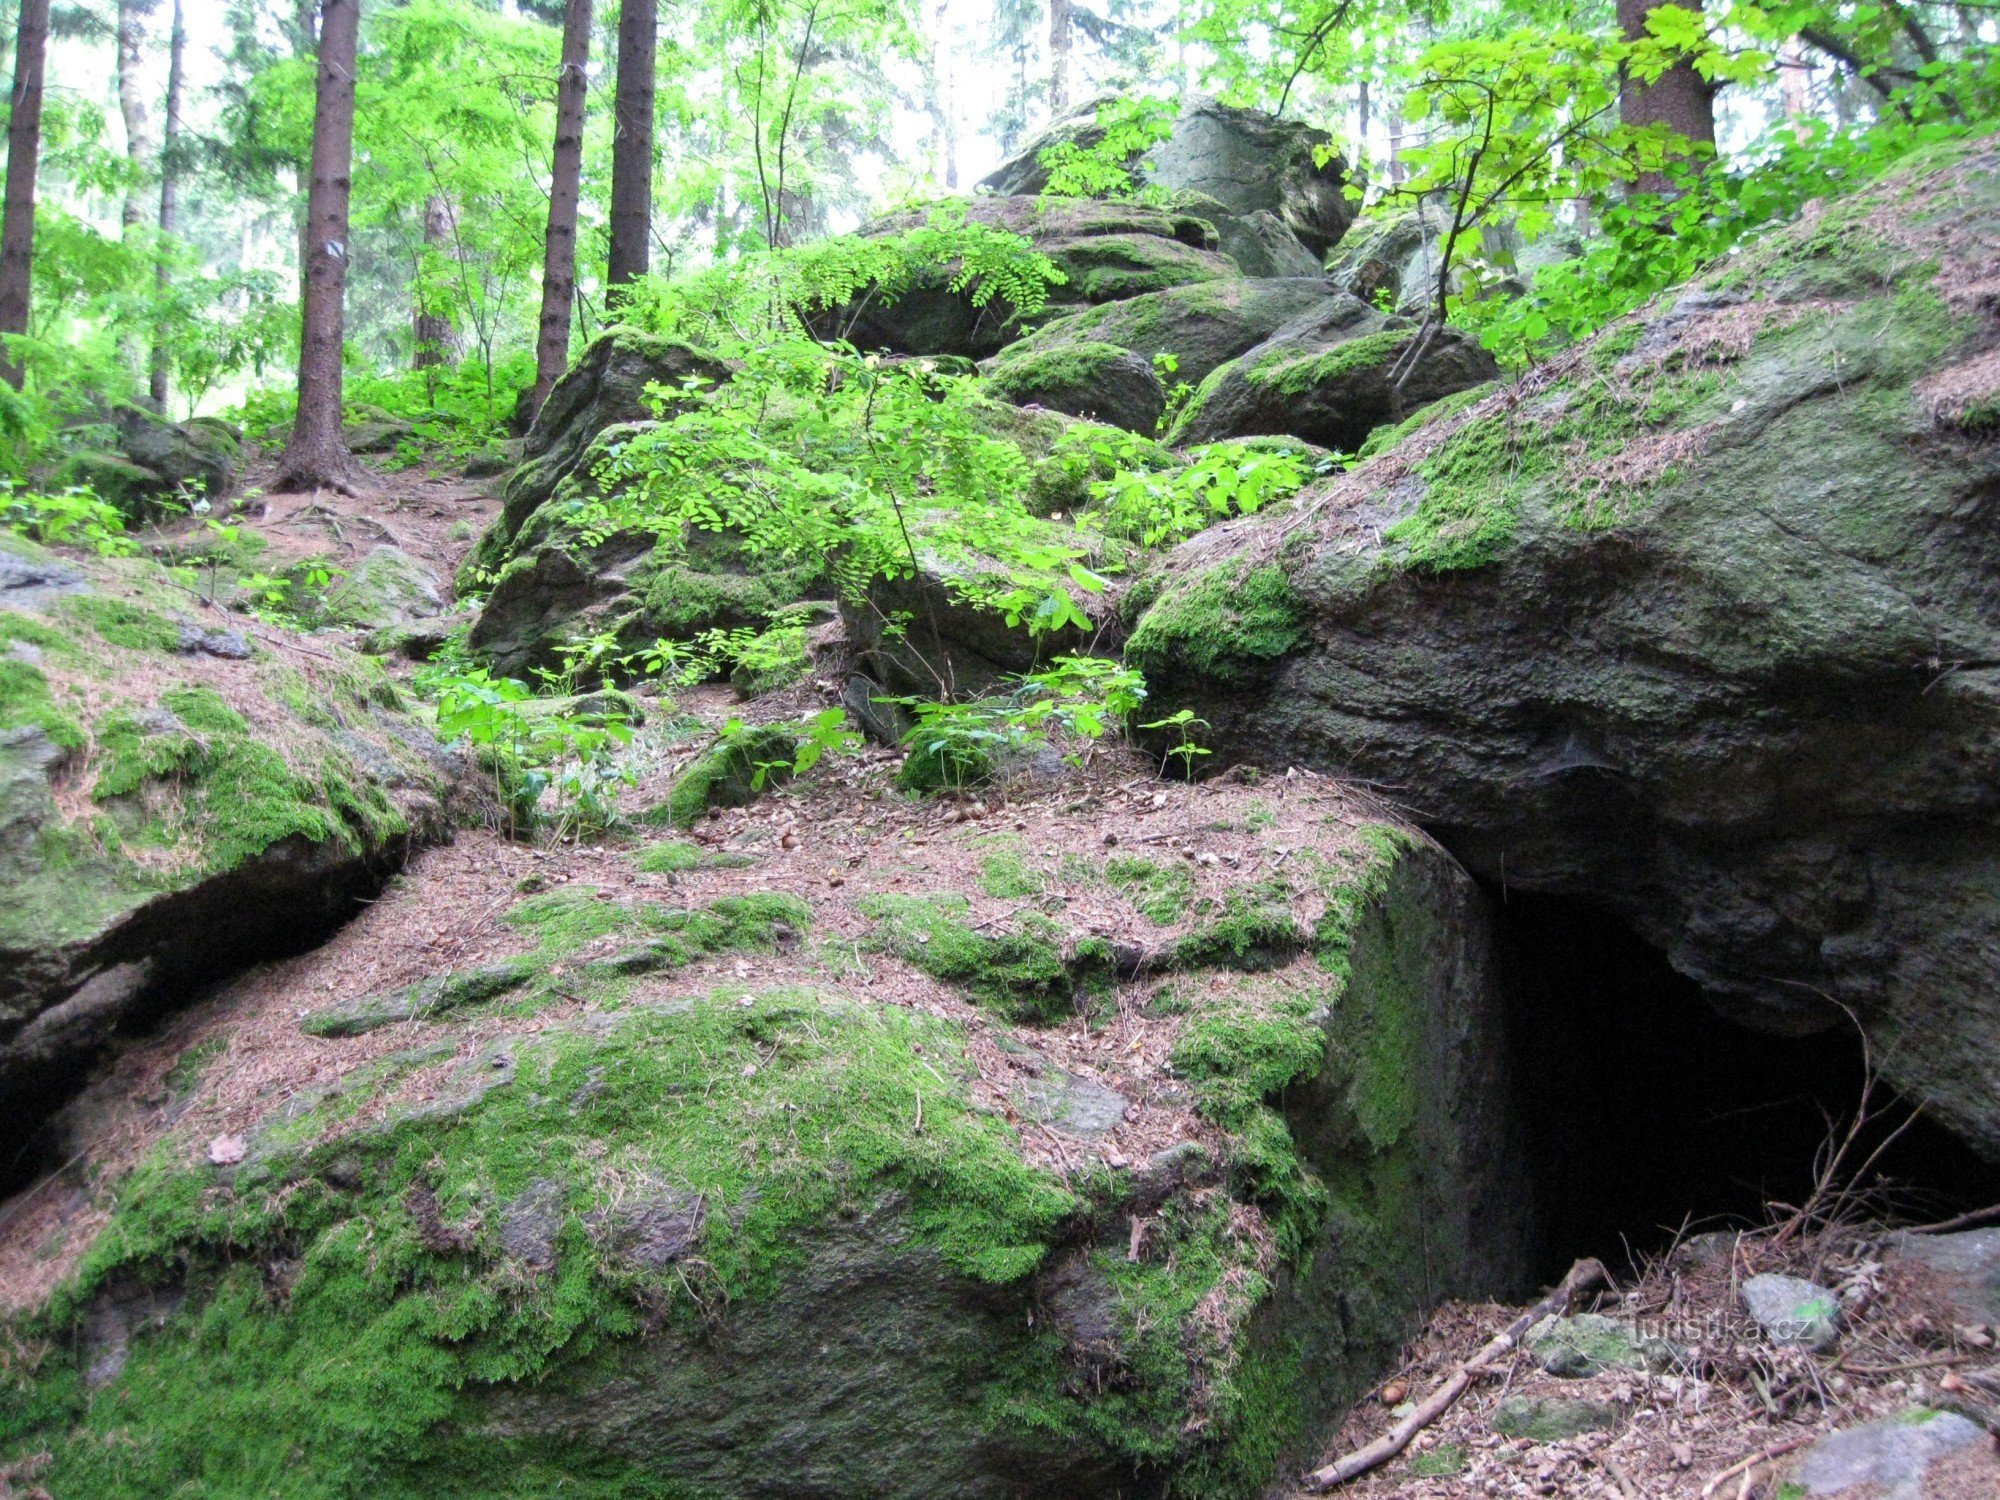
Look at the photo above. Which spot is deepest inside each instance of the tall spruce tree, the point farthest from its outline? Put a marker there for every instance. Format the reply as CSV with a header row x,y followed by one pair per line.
x,y
316,454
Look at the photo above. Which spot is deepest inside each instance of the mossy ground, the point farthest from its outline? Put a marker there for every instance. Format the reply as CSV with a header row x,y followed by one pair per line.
x,y
192,766
605,1047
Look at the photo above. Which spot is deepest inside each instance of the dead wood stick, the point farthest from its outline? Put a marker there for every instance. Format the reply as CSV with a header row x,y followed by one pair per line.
x,y
1963,1221
1761,1456
1582,1276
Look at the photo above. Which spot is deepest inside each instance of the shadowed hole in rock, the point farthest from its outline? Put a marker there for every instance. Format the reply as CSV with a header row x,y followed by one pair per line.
x,y
1646,1110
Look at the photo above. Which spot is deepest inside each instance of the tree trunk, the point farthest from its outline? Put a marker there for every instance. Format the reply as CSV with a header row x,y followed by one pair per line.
x,y
170,184
632,146
316,455
1059,50
1794,81
132,104
565,188
1680,98
436,340
24,149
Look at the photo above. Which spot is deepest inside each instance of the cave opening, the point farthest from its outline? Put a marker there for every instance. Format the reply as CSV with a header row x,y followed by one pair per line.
x,y
1644,1110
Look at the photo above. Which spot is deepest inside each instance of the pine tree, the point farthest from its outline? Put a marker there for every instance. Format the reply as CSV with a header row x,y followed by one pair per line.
x,y
24,149
632,145
565,187
316,455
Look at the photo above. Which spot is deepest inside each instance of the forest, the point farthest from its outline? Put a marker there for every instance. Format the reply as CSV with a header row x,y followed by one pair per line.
x,y
1000,748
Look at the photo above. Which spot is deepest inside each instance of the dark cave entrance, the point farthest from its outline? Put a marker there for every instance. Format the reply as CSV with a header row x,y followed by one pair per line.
x,y
1644,1109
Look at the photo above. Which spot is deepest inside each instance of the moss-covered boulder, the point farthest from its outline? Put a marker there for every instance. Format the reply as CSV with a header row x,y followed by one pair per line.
x,y
1327,377
609,384
589,1219
1106,252
1693,622
170,810
1242,169
189,458
1101,381
1199,327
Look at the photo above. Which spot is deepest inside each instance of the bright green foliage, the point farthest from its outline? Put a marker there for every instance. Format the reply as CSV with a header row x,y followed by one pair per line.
x,y
1106,168
74,517
1159,508
790,291
1004,874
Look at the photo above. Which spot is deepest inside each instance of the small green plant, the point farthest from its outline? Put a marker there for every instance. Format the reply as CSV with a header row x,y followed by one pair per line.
x,y
1186,748
1107,168
955,746
75,517
531,749
1179,392
1157,508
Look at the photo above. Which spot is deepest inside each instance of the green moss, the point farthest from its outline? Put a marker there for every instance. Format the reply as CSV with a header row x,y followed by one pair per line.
x,y
236,794
25,699
740,767
778,1116
1300,374
668,857
1382,439
1255,929
1070,369
121,623
1004,874
1227,625
1160,892
1024,973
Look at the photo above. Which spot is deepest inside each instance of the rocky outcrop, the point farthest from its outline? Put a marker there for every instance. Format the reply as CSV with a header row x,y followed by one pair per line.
x,y
608,385
1329,376
1251,174
1100,381
1389,257
1199,327
1106,252
173,804
157,459
667,1228
1697,622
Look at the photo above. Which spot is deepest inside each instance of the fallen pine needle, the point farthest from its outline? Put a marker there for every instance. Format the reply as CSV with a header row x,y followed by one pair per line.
x,y
1582,1276
1743,1466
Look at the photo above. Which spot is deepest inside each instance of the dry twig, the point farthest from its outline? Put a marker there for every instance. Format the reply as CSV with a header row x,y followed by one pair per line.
x,y
1582,1276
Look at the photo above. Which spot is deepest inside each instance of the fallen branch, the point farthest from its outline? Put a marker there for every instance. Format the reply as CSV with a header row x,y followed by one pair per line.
x,y
1963,1221
1761,1456
1582,1276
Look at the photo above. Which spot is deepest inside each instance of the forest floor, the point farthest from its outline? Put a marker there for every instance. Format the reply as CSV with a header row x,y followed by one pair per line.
x,y
843,832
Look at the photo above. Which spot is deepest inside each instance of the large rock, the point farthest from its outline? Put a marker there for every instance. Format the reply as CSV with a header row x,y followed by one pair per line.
x,y
1696,623
609,384
1200,326
1389,257
1100,381
1326,377
194,457
652,1229
169,814
1261,170
1106,252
